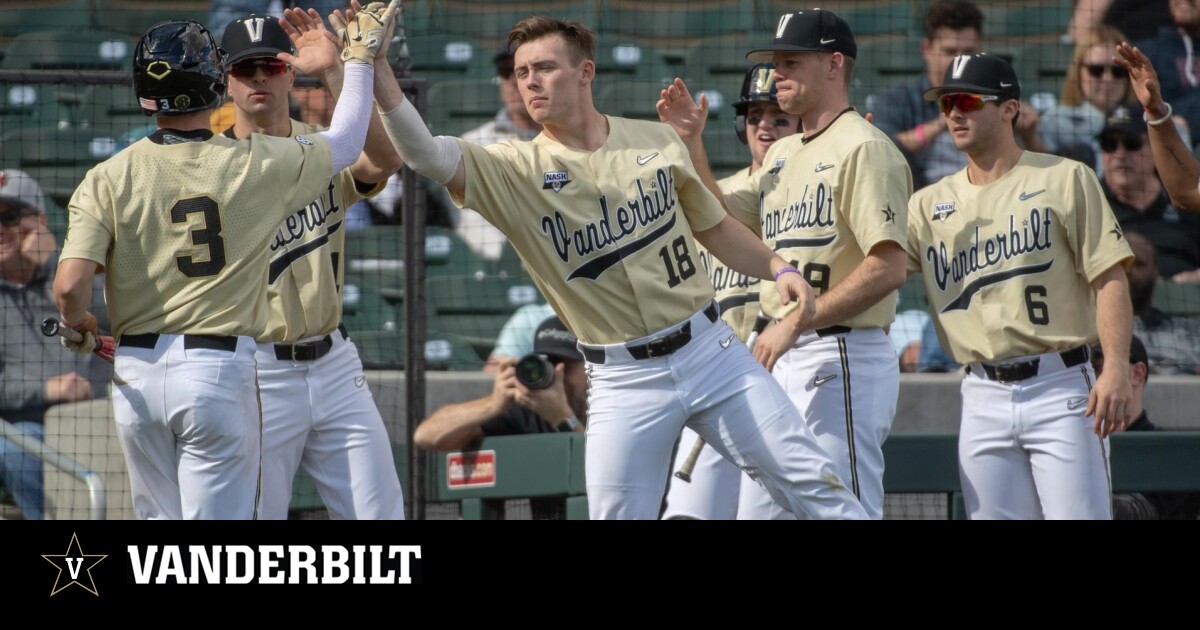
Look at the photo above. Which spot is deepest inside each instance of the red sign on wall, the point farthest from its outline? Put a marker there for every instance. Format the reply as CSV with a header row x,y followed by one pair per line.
x,y
471,469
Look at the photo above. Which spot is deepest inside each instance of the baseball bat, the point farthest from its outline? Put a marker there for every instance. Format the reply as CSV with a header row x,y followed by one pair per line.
x,y
52,327
689,464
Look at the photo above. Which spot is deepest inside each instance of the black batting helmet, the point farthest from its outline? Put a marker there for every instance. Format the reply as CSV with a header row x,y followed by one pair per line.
x,y
757,87
177,69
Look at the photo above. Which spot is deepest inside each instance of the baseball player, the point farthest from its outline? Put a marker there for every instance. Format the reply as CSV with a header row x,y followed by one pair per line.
x,y
709,490
1023,263
602,211
832,202
181,221
317,409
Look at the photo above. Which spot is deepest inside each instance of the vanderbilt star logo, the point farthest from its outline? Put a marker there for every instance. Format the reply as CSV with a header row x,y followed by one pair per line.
x,y
75,562
889,214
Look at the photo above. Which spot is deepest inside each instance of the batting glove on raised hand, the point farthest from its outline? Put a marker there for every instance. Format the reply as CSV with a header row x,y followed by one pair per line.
x,y
366,35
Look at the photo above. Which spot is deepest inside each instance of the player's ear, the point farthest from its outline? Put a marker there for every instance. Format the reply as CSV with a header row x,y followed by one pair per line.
x,y
588,71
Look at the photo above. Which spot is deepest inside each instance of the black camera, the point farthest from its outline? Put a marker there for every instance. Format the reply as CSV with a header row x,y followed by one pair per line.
x,y
535,371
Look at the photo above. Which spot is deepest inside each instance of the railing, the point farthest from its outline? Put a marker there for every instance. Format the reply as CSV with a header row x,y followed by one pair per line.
x,y
56,459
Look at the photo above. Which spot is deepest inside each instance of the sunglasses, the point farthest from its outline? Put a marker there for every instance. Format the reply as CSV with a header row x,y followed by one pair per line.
x,y
964,102
1097,70
1109,143
12,216
247,68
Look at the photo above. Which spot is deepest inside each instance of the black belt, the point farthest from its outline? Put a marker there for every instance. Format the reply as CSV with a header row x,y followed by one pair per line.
x,y
660,347
1014,372
190,342
309,350
760,325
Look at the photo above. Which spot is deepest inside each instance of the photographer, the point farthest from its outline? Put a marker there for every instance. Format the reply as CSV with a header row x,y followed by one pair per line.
x,y
513,407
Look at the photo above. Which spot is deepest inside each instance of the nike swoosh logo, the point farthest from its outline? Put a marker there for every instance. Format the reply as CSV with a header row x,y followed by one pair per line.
x,y
821,380
1028,196
359,381
823,167
643,159
725,344
1076,403
1003,84
828,41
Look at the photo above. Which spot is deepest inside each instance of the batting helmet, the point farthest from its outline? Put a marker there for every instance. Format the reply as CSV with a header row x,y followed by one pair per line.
x,y
177,69
757,87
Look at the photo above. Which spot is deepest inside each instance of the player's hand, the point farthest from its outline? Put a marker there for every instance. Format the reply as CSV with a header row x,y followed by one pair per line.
x,y
86,345
676,108
365,32
317,50
1110,401
1027,122
774,342
549,402
67,388
1186,277
1141,75
793,287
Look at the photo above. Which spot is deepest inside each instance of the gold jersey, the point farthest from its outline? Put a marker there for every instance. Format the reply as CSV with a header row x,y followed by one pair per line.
x,y
737,293
182,227
822,202
1008,266
307,259
606,234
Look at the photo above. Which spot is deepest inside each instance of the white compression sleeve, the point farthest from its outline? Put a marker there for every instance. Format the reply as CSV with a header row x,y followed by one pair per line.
x,y
435,158
347,132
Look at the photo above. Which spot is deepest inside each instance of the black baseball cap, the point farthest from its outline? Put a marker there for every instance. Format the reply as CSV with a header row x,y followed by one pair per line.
x,y
811,30
979,73
254,36
553,339
1124,119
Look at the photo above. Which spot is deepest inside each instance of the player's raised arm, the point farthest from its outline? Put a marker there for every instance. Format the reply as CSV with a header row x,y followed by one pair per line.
x,y
378,160
1178,168
688,118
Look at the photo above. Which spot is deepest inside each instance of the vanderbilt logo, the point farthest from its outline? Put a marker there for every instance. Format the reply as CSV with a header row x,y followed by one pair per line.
x,y
555,180
74,567
614,226
982,254
813,209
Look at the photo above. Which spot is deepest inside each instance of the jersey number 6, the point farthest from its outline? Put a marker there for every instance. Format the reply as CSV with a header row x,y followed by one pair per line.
x,y
209,235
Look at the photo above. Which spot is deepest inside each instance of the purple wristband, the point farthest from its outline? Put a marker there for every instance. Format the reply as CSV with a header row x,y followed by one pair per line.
x,y
783,270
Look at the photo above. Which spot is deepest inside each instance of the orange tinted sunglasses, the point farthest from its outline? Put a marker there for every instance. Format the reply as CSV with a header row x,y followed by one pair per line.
x,y
965,102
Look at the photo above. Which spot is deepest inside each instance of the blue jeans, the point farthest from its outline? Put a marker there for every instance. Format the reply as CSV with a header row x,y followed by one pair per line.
x,y
22,472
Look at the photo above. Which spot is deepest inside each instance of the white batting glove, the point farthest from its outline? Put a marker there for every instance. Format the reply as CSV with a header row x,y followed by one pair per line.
x,y
86,345
366,35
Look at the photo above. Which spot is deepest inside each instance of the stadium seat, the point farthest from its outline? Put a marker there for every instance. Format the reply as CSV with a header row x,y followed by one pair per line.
x,y
1042,67
364,309
1177,299
619,59
24,16
476,308
630,99
726,154
384,350
441,57
111,110
69,50
458,105
867,18
675,25
27,105
135,17
1039,21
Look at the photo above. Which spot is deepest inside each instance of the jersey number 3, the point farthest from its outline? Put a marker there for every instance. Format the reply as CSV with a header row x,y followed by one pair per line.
x,y
209,235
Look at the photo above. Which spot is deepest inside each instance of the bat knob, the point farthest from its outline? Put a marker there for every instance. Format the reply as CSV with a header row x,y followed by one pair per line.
x,y
684,476
50,326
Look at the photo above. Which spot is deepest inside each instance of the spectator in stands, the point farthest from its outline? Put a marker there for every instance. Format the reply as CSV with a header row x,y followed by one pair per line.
x,y
1146,506
1173,52
1138,19
222,12
512,408
516,337
1094,86
1172,341
1138,199
35,371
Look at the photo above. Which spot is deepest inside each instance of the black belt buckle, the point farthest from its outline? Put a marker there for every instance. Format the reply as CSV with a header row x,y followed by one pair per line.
x,y
310,351
664,345
1012,372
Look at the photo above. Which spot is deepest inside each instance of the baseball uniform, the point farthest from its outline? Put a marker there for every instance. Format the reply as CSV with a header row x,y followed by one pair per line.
x,y
606,235
1007,268
822,201
317,409
711,492
170,219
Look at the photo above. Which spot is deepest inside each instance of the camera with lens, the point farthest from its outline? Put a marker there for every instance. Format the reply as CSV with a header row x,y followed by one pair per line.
x,y
535,371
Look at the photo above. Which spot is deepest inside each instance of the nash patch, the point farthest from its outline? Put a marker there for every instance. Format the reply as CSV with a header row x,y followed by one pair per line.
x,y
555,180
304,141
942,211
778,166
